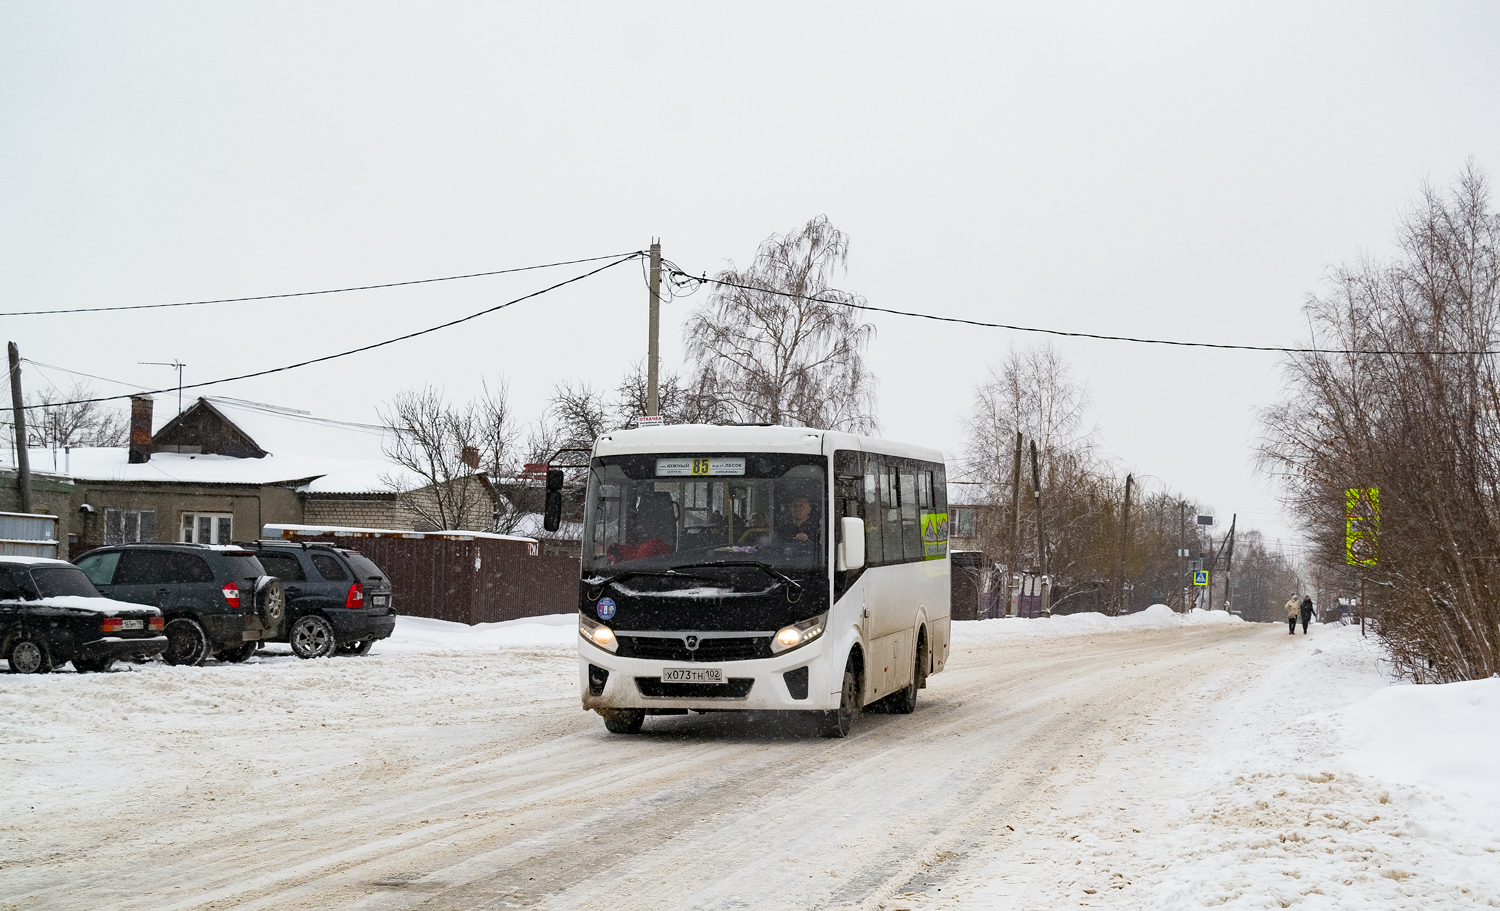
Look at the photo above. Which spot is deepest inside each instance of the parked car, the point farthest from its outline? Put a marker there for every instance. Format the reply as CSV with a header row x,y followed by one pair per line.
x,y
337,599
51,614
217,599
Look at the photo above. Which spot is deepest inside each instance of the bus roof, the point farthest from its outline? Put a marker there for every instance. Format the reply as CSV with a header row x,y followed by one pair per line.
x,y
695,438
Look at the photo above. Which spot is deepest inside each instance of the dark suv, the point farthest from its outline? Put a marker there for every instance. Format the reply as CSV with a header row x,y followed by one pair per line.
x,y
337,600
218,601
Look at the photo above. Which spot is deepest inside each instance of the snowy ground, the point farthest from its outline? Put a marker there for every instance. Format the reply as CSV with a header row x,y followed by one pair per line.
x,y
1139,762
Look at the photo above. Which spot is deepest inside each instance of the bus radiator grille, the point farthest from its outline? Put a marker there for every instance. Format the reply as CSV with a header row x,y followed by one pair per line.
x,y
735,688
740,648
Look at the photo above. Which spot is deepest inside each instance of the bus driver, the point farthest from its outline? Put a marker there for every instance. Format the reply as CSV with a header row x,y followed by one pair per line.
x,y
801,524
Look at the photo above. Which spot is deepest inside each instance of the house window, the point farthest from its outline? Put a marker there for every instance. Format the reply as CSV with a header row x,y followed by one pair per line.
x,y
129,526
207,528
963,523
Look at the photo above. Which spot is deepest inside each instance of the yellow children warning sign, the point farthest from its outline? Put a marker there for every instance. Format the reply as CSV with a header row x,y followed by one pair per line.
x,y
1362,525
934,535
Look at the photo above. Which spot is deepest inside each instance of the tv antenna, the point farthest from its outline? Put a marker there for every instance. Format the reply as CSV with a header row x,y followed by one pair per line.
x,y
179,365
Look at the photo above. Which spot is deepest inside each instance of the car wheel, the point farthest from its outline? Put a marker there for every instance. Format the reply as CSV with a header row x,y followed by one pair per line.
x,y
362,647
238,655
838,722
624,721
187,643
270,601
312,637
93,666
28,656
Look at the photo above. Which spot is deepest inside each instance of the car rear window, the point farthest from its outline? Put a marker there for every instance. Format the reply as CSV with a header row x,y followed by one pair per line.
x,y
54,581
244,566
363,568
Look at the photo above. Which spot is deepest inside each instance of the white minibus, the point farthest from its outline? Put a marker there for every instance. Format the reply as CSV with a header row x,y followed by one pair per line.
x,y
759,568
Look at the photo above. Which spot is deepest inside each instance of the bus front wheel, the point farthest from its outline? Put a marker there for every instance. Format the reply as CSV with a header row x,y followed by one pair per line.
x,y
837,722
624,721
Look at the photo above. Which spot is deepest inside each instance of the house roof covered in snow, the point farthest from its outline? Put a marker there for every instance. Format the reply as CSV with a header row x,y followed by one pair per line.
x,y
230,441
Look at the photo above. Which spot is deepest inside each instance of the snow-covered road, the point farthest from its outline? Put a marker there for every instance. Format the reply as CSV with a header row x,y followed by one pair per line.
x,y
1140,762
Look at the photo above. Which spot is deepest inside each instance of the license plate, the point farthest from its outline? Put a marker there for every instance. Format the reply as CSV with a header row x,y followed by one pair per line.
x,y
692,675
132,624
380,600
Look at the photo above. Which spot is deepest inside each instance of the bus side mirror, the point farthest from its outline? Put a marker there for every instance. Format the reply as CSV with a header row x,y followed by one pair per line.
x,y
852,549
552,512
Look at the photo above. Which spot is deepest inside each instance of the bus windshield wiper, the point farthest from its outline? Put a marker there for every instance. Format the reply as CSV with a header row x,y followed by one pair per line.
x,y
766,568
632,573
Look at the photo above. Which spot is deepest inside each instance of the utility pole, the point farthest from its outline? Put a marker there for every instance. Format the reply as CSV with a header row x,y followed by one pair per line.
x,y
1182,549
1229,562
1041,535
653,402
1119,598
23,460
1015,514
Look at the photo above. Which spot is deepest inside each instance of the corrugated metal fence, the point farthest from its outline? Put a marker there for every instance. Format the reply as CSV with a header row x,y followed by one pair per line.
x,y
26,535
458,577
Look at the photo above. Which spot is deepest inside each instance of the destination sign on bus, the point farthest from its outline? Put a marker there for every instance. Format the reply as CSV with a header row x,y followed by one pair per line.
x,y
683,468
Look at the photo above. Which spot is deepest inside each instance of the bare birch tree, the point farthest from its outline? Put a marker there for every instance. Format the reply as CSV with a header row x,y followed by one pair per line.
x,y
778,345
445,447
85,424
1412,411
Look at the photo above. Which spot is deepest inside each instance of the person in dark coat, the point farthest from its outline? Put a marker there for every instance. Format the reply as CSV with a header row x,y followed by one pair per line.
x,y
1307,612
801,523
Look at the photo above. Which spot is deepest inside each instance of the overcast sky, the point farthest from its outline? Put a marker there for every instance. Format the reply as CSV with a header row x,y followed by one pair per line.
x,y
1183,171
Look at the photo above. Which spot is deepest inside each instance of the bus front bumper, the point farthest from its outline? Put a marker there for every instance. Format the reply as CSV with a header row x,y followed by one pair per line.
x,y
792,681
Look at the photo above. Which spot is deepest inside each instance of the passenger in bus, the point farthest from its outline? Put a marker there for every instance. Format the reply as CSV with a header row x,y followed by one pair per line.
x,y
800,524
655,523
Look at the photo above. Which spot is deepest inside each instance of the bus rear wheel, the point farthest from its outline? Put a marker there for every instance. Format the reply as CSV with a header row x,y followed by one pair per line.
x,y
837,723
624,721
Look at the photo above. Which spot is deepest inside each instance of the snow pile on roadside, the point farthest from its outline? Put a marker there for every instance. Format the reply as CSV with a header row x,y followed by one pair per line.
x,y
1311,783
1441,738
423,635
1155,617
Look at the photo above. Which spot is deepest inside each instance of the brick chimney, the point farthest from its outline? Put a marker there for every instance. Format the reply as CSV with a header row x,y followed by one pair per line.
x,y
470,457
140,429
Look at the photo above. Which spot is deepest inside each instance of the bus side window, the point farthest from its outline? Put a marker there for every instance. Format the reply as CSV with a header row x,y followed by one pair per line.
x,y
874,551
848,490
890,510
911,525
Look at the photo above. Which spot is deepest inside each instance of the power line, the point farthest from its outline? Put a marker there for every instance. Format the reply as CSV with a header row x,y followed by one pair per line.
x,y
266,297
328,357
91,376
703,279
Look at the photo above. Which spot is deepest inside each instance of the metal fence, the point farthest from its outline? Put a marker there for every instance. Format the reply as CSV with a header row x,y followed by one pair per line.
x,y
26,535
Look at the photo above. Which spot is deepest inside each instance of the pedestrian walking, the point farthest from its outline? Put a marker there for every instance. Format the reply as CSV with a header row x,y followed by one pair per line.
x,y
1292,610
1307,612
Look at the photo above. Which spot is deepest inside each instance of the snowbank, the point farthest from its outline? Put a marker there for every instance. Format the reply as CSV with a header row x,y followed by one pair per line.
x,y
423,635
1155,617
1442,738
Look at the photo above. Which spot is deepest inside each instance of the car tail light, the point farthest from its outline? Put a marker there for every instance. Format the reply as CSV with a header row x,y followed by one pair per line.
x,y
356,596
113,624
155,623
232,594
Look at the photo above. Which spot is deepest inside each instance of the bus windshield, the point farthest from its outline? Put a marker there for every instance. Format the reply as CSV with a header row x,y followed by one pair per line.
x,y
660,511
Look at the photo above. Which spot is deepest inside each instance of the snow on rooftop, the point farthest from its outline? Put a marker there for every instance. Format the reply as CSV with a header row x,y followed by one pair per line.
x,y
113,464
291,531
287,431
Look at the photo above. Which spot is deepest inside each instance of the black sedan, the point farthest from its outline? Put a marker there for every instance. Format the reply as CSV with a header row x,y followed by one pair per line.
x,y
50,614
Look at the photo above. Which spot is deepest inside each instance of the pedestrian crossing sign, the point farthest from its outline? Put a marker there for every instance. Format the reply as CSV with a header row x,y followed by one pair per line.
x,y
1200,577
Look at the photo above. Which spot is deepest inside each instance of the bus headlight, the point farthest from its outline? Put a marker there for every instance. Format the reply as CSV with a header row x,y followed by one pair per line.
x,y
798,634
597,633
